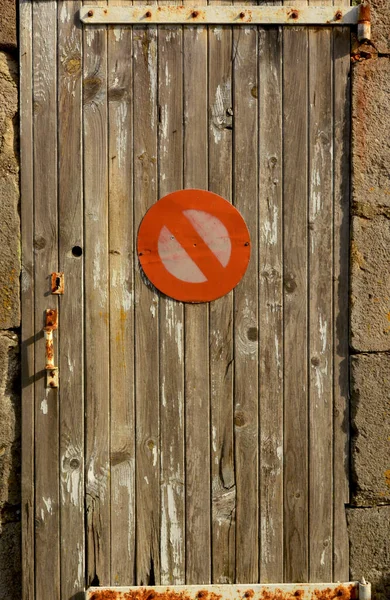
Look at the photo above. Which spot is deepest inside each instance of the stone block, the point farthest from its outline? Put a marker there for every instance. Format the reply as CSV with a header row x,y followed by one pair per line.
x,y
370,421
369,536
380,25
370,284
8,28
10,561
9,196
370,139
9,423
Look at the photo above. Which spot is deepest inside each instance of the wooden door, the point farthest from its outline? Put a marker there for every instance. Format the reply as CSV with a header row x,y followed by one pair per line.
x,y
186,443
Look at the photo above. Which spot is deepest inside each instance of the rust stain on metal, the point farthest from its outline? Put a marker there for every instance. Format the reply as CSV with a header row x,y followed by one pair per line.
x,y
341,592
51,319
57,283
293,14
147,594
364,13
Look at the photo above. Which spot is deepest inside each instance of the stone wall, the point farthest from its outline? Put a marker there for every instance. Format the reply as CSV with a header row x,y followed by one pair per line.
x,y
10,563
369,511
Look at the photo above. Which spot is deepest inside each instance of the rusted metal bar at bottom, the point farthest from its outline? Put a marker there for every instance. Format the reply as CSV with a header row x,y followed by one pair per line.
x,y
51,369
219,15
309,591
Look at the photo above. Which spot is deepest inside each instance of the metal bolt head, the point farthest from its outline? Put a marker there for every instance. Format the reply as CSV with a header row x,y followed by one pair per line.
x,y
194,14
294,14
242,15
338,16
90,13
148,14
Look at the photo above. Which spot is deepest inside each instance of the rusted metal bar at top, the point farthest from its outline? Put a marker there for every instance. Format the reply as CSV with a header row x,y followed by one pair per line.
x,y
297,591
220,15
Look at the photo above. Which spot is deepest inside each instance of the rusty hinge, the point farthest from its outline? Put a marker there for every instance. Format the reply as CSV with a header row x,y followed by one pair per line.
x,y
51,369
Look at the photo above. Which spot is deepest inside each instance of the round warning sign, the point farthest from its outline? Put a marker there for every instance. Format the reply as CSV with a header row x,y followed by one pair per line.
x,y
193,245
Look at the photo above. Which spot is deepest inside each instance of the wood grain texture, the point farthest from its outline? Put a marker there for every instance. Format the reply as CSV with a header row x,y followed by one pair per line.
x,y
47,509
27,297
215,445
170,162
196,335
271,304
221,318
295,217
146,315
341,133
70,202
121,259
97,373
320,270
246,326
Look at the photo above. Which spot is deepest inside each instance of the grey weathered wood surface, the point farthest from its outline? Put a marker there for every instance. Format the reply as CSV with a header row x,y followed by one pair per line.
x,y
271,304
172,432
121,260
27,298
223,490
320,269
70,207
213,437
295,321
246,309
341,133
47,506
97,317
196,334
146,315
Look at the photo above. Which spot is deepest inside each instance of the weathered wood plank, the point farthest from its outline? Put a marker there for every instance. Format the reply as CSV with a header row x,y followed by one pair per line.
x,y
27,296
47,512
170,161
121,248
221,318
97,382
146,315
271,305
295,216
197,394
342,117
320,269
246,325
72,302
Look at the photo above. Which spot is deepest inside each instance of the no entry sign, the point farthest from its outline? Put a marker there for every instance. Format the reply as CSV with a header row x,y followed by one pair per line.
x,y
193,245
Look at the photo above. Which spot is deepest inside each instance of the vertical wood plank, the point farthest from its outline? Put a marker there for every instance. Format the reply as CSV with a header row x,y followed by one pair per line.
x,y
27,295
271,305
342,117
121,249
320,269
47,530
246,326
170,162
72,302
197,395
295,215
221,317
97,383
146,315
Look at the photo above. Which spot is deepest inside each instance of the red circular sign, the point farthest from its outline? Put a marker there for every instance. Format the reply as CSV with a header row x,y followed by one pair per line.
x,y
193,245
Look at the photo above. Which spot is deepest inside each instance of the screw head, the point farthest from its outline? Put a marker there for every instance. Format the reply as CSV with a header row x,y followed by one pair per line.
x,y
90,13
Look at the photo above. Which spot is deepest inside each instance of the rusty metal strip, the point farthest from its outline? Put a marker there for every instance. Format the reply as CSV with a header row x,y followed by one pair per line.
x,y
310,591
219,15
51,369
